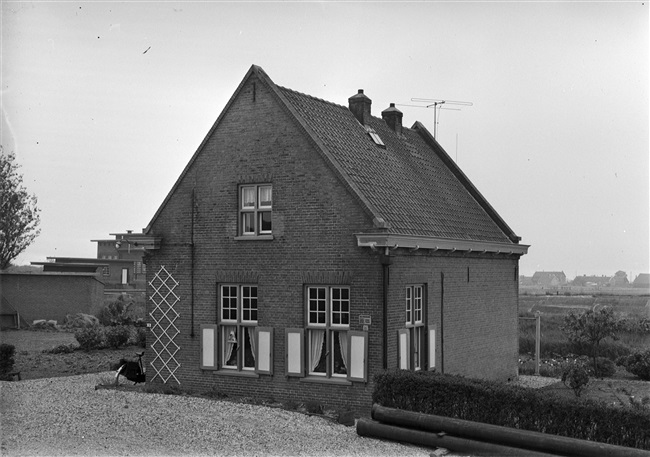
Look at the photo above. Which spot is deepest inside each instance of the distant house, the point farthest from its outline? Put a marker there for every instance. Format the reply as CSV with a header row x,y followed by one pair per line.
x,y
591,281
119,263
642,281
549,278
619,280
308,245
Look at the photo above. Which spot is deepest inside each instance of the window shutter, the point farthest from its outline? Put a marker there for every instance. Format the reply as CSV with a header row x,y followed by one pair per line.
x,y
358,356
432,348
209,347
294,344
264,356
403,349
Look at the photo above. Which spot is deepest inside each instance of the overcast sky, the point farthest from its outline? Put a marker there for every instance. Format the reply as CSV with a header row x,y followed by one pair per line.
x,y
104,103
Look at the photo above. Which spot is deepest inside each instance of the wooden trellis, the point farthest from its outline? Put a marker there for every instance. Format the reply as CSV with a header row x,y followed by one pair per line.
x,y
164,329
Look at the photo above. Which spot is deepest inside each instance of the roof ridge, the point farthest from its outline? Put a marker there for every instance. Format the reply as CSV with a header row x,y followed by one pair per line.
x,y
338,105
310,96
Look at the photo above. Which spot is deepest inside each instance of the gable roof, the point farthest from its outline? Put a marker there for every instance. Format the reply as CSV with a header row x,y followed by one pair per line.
x,y
409,185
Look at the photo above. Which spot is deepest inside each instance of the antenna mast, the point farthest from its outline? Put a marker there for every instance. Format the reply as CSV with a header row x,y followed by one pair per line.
x,y
437,105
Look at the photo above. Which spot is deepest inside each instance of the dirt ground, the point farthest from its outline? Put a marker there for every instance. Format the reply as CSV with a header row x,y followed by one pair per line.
x,y
33,363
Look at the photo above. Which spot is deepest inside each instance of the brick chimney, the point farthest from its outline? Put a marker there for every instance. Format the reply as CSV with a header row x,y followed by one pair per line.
x,y
360,106
393,118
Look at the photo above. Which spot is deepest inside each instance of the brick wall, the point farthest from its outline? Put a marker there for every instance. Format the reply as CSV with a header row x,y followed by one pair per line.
x,y
314,222
476,314
51,296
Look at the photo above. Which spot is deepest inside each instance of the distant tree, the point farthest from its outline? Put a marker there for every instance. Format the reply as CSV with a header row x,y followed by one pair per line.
x,y
19,215
591,327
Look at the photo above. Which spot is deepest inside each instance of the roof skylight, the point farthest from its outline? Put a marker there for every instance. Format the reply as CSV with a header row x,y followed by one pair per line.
x,y
375,137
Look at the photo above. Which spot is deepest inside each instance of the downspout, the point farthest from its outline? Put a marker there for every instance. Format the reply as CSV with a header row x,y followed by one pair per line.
x,y
442,322
192,268
385,264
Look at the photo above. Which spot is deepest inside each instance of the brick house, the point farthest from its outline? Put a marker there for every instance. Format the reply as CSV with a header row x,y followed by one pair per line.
x,y
307,246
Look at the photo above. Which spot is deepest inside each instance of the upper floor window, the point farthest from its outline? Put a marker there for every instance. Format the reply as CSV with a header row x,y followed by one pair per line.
x,y
255,208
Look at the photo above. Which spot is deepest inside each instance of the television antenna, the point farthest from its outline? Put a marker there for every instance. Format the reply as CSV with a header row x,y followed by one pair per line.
x,y
437,105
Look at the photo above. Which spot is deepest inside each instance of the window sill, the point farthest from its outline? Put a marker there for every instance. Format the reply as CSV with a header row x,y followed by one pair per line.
x,y
324,380
239,373
254,238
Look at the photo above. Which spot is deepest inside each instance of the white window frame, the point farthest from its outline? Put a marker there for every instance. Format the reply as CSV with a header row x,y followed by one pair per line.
x,y
244,328
416,326
330,329
255,211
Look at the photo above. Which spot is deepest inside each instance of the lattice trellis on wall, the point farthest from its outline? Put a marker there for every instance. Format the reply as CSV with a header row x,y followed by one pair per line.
x,y
164,329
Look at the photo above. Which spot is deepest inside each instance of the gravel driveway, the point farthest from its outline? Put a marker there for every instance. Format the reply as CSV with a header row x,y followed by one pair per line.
x,y
67,416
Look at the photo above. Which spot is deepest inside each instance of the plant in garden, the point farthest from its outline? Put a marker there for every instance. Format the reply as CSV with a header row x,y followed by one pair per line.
x,y
90,338
141,336
637,363
19,216
7,352
591,327
575,374
117,336
116,312
606,368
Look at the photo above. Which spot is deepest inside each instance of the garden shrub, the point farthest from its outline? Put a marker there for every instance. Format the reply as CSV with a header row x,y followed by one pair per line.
x,y
512,406
7,352
141,337
123,311
575,374
117,336
606,368
637,363
90,338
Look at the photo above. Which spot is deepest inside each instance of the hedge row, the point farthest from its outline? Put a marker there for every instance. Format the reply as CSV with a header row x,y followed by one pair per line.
x,y
512,406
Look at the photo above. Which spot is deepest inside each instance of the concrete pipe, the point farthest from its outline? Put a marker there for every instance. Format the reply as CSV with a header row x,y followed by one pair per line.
x,y
374,429
523,439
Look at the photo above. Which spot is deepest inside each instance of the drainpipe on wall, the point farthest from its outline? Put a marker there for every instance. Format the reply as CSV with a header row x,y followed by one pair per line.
x,y
192,267
385,264
442,322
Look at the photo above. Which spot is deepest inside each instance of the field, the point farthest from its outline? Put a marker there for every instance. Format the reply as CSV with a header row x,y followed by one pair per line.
x,y
620,388
634,312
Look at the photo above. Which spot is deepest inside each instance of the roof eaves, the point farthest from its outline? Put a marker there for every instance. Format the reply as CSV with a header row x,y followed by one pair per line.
x,y
474,192
415,242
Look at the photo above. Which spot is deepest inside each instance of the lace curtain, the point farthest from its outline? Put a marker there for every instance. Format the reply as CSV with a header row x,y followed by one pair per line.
x,y
228,331
316,338
343,342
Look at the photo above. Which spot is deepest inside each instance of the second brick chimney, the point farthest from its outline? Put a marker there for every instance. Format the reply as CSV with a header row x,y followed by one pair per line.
x,y
393,118
360,106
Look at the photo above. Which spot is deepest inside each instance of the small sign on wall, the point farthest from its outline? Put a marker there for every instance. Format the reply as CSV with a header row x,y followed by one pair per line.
x,y
365,319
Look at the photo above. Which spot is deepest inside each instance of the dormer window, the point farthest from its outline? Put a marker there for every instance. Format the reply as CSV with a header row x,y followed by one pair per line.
x,y
255,208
